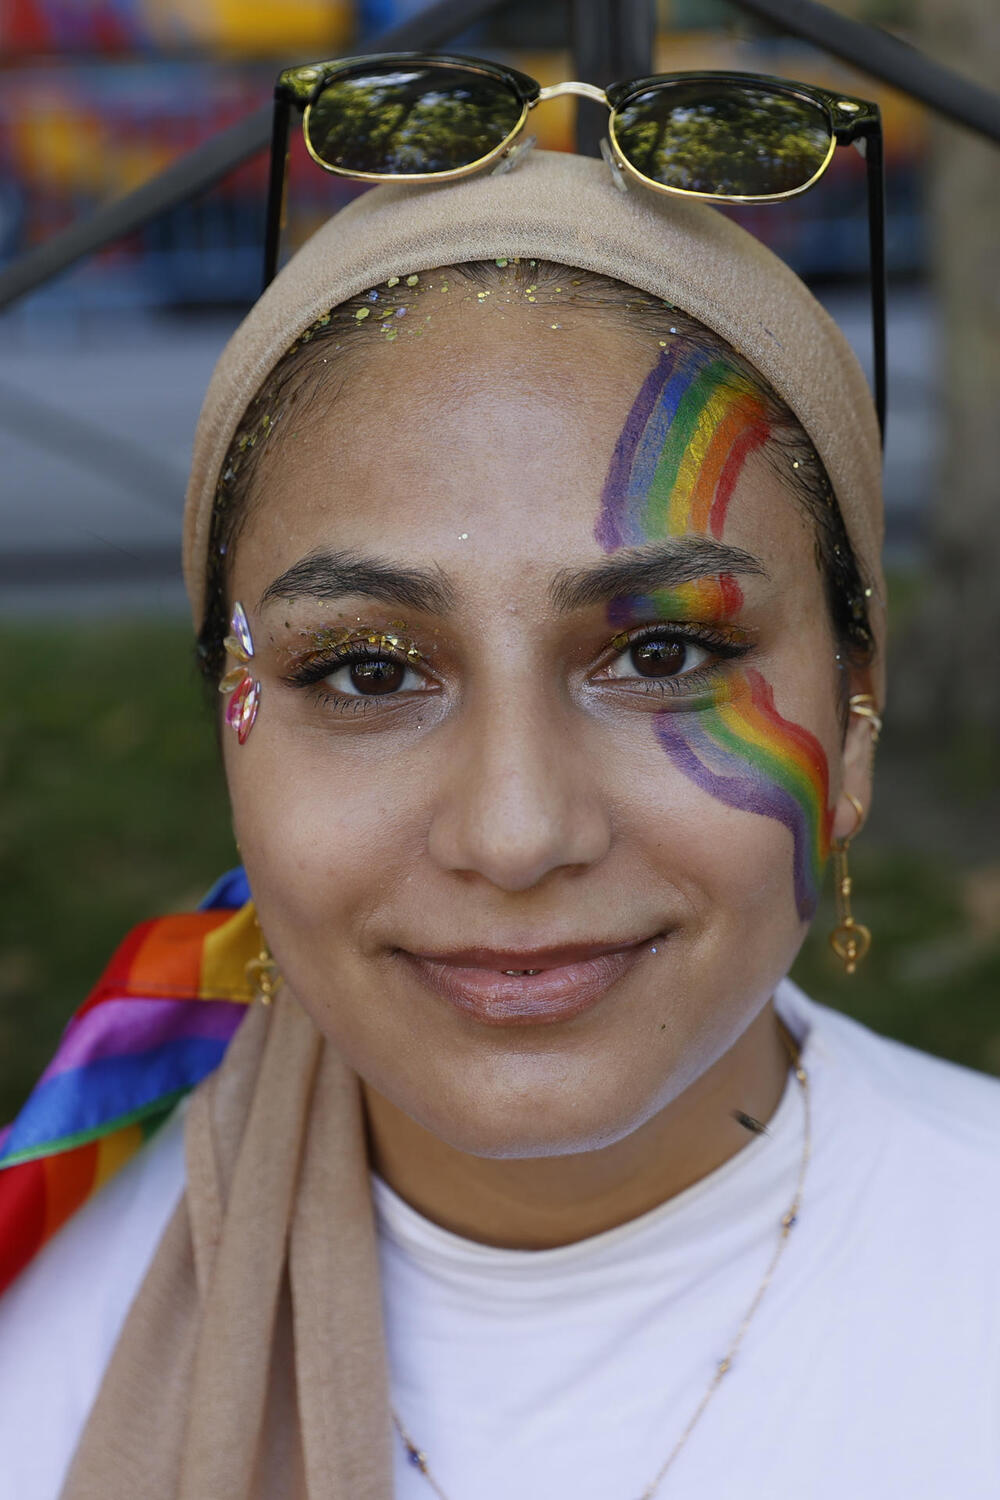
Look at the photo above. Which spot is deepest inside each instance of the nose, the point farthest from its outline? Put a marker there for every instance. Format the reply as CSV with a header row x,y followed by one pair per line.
x,y
521,798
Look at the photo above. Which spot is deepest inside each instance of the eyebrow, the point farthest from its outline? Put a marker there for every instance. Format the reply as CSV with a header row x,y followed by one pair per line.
x,y
640,570
333,575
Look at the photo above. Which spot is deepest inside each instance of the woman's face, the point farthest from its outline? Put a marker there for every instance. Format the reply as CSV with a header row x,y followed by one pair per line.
x,y
606,745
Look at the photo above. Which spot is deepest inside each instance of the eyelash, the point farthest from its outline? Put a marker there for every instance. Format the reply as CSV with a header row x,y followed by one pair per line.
x,y
724,644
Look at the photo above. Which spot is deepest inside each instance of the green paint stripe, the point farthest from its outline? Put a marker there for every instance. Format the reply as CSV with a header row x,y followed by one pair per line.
x,y
791,780
682,430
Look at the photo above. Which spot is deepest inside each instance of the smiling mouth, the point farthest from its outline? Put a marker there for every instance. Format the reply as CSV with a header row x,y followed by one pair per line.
x,y
540,987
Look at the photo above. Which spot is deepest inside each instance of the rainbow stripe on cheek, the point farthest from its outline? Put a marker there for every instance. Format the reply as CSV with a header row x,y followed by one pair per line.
x,y
691,429
744,753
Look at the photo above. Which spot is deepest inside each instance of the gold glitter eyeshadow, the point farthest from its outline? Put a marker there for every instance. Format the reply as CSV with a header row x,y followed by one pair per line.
x,y
341,640
412,280
393,281
362,312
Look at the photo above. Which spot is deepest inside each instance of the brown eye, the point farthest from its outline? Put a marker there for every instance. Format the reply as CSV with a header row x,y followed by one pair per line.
x,y
658,658
378,675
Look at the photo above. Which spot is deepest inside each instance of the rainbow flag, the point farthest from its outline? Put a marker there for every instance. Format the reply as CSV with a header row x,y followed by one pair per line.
x,y
157,1022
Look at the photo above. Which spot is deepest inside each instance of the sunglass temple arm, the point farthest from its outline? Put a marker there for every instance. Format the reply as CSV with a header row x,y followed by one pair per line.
x,y
276,186
876,264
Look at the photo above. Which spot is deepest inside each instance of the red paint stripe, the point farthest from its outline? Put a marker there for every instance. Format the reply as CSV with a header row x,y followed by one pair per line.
x,y
752,437
22,1218
726,434
762,697
732,595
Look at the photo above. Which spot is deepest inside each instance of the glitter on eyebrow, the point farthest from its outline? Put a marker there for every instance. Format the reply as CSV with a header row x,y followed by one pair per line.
x,y
501,262
393,281
400,312
373,296
555,325
412,280
362,313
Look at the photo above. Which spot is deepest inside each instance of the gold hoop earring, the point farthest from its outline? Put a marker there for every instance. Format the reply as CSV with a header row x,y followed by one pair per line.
x,y
262,973
863,704
850,940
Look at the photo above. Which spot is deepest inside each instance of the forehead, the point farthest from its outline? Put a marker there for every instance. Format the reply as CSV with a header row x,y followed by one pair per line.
x,y
513,428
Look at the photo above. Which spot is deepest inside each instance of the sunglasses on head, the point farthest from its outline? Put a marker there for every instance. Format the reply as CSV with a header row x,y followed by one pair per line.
x,y
725,137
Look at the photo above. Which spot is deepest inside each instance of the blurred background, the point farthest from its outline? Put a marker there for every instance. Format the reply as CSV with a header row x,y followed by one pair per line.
x,y
113,807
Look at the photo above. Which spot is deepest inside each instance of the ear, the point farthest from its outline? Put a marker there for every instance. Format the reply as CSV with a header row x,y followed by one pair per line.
x,y
857,762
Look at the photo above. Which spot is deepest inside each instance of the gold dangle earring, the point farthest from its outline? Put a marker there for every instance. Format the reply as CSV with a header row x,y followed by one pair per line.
x,y
850,940
262,973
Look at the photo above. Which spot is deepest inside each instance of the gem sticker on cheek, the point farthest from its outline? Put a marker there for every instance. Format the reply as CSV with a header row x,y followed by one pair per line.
x,y
243,688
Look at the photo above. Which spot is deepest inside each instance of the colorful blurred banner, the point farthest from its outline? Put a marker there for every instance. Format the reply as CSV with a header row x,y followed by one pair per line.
x,y
99,95
241,28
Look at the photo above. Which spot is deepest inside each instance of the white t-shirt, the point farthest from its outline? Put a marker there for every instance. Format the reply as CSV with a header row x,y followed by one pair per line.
x,y
871,1370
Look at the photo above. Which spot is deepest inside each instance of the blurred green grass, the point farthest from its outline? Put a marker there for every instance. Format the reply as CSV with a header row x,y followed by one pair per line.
x,y
114,809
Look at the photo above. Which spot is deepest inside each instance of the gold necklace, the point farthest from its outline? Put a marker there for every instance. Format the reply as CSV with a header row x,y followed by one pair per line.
x,y
419,1459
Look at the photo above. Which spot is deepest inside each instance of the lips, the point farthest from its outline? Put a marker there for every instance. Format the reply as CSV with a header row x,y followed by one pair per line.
x,y
524,987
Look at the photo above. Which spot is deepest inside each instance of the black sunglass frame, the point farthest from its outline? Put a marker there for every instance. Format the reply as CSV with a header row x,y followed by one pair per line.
x,y
853,122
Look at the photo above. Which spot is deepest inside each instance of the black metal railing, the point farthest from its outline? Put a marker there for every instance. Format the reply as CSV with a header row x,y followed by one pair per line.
x,y
609,39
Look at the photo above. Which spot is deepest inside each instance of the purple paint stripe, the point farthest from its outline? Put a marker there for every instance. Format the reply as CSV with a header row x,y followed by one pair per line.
x,y
609,531
121,1028
652,448
748,791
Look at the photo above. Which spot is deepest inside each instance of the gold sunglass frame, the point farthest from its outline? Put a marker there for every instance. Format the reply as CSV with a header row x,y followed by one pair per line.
x,y
850,121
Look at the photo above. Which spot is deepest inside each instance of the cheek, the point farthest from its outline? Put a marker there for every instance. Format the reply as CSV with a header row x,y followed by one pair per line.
x,y
322,836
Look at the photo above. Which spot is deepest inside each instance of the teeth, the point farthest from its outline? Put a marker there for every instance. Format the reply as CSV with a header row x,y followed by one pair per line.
x,y
519,972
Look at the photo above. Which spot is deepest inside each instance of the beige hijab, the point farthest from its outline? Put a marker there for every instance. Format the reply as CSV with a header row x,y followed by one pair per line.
x,y
252,1363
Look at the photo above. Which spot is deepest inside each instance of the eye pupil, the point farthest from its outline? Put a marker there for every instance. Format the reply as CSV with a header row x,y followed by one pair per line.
x,y
658,658
379,675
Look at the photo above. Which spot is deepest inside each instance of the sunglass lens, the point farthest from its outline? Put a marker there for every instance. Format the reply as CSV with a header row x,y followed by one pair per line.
x,y
402,121
731,139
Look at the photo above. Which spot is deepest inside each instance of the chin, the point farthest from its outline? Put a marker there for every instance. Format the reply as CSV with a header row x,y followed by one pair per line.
x,y
562,1117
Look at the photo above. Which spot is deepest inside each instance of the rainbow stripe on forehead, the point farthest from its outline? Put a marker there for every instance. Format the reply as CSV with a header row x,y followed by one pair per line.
x,y
690,431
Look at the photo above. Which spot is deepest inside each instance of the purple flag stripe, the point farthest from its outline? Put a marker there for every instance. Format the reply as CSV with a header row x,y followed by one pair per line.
x,y
119,1028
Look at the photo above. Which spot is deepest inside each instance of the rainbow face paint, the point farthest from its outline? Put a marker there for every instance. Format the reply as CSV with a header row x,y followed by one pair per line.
x,y
244,689
691,429
704,599
675,466
743,752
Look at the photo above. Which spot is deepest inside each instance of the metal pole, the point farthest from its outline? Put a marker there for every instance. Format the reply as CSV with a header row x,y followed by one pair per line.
x,y
612,41
884,56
